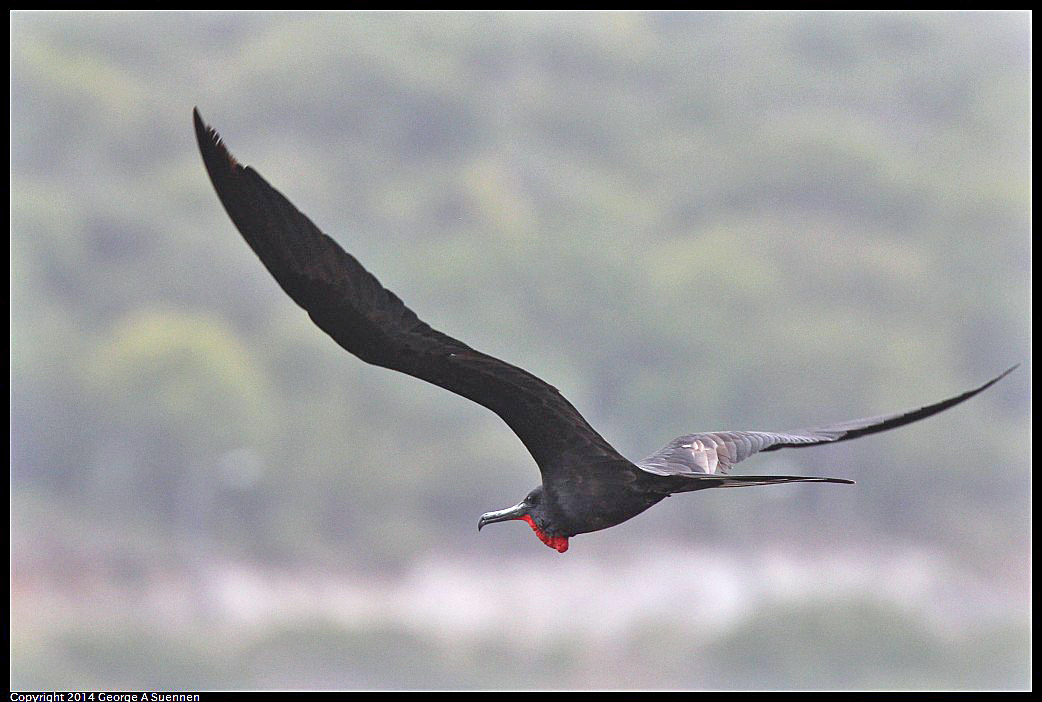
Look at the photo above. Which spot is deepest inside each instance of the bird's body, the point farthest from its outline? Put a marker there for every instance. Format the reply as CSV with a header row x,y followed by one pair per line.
x,y
586,484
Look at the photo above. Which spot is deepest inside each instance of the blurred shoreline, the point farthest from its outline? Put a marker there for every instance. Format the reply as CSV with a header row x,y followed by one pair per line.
x,y
598,605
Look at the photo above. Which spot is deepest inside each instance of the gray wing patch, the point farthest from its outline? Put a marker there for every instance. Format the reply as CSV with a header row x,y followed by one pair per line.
x,y
714,453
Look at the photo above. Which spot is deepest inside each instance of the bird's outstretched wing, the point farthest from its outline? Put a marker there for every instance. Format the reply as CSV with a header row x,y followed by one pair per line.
x,y
714,453
371,322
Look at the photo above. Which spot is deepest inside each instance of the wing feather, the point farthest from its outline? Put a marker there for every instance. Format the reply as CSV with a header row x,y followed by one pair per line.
x,y
715,453
350,304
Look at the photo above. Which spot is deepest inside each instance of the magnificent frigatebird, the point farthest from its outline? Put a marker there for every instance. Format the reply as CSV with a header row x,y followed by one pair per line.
x,y
586,484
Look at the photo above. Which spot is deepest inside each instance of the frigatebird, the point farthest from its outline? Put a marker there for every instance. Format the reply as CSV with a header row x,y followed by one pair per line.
x,y
586,484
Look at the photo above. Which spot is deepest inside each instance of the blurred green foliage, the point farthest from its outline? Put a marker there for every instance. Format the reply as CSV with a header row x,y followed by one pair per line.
x,y
683,221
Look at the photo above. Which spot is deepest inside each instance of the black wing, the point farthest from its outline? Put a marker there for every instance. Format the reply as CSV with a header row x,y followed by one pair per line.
x,y
714,453
350,305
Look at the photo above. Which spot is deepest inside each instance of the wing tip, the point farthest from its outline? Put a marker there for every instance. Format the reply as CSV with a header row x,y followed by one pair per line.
x,y
210,142
991,382
1004,373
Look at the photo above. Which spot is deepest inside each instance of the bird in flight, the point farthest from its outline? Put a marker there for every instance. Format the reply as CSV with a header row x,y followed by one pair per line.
x,y
586,484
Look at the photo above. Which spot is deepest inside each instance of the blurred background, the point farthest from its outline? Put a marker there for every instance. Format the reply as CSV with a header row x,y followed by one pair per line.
x,y
686,222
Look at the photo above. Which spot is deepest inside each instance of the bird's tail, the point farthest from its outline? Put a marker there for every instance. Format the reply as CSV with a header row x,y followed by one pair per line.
x,y
694,481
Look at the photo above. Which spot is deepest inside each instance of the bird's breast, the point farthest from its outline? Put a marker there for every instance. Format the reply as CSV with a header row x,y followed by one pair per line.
x,y
591,504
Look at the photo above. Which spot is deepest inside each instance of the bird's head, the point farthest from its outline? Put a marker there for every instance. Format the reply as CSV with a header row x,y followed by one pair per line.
x,y
532,509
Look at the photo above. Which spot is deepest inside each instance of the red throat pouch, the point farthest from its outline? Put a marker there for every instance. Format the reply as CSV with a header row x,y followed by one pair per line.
x,y
558,543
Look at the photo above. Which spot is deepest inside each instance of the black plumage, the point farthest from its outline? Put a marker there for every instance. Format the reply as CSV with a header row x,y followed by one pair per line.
x,y
586,484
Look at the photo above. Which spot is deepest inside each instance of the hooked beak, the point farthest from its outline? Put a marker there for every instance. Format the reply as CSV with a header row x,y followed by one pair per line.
x,y
516,512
